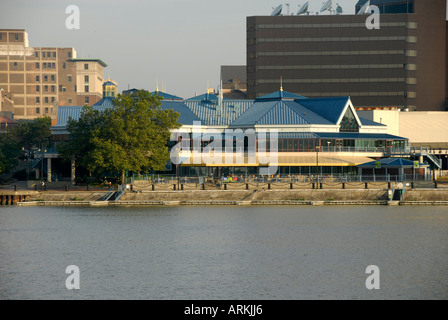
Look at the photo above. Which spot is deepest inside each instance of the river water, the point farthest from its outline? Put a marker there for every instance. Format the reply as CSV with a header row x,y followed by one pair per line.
x,y
232,253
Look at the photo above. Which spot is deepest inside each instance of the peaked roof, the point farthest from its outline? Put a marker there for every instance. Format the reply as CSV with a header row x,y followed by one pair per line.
x,y
280,95
391,162
167,96
187,117
328,108
105,102
278,112
205,97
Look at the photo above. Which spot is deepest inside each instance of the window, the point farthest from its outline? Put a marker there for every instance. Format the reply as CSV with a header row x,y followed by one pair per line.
x,y
86,99
53,65
43,54
52,99
63,65
45,88
69,101
16,36
44,65
37,65
37,88
54,54
86,88
69,54
69,79
37,78
0,36
46,99
37,100
15,64
36,54
46,110
53,89
45,78
349,123
53,78
86,66
86,79
37,110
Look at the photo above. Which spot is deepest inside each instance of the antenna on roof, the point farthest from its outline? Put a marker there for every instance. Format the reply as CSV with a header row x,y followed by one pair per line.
x,y
304,9
326,6
339,9
281,83
157,84
277,11
365,8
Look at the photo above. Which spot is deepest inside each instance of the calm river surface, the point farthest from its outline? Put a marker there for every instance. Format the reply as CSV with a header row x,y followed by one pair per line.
x,y
254,253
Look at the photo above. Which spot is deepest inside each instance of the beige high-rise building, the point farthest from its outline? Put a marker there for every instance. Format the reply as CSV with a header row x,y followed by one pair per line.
x,y
38,79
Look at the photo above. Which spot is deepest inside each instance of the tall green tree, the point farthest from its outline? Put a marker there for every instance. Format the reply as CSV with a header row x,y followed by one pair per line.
x,y
35,133
79,146
134,134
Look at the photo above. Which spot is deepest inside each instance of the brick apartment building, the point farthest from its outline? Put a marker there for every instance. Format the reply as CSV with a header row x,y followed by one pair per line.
x,y
38,79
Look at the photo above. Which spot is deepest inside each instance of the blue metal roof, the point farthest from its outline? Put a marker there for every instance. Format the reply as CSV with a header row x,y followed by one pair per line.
x,y
73,112
211,113
186,115
354,136
367,122
105,102
167,96
205,97
328,108
280,95
390,163
109,83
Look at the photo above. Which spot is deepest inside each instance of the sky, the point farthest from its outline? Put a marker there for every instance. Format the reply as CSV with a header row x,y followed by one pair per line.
x,y
179,44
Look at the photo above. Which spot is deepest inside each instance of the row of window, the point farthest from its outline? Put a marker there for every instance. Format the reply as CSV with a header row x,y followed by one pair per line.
x,y
38,110
409,25
16,36
61,88
46,100
409,94
53,99
46,54
45,78
411,39
46,65
408,53
407,66
342,80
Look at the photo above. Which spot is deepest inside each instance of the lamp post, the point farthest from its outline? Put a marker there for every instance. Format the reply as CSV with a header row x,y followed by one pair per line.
x,y
317,162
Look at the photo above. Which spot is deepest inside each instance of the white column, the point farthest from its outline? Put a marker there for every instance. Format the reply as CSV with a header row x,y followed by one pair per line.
x,y
73,173
49,169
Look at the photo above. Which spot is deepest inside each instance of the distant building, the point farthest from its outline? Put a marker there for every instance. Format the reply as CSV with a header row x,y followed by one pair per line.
x,y
234,82
402,65
37,80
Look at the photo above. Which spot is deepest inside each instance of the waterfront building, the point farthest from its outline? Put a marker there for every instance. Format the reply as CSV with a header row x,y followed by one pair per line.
x,y
401,65
322,136
37,80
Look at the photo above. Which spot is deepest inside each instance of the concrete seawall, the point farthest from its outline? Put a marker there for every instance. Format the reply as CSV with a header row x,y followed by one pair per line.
x,y
243,197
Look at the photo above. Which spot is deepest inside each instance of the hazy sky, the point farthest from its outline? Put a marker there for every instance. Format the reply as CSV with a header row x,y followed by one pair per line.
x,y
181,43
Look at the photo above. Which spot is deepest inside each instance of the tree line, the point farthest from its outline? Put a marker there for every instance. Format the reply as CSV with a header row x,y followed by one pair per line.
x,y
131,136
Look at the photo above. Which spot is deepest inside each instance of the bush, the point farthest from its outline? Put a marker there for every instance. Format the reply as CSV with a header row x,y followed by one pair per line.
x,y
442,179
